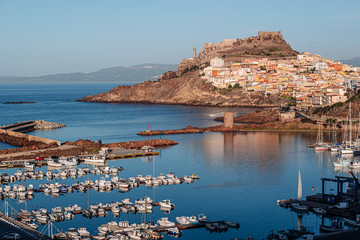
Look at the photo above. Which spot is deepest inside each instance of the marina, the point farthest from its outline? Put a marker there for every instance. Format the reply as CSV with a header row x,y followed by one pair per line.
x,y
234,168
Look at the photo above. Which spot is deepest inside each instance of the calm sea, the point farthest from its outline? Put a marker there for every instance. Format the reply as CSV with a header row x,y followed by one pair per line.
x,y
242,174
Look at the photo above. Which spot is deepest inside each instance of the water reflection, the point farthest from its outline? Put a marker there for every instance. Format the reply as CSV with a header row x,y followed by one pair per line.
x,y
264,151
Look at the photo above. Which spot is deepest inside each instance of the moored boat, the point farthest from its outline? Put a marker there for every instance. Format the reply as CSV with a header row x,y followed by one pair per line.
x,y
319,210
335,227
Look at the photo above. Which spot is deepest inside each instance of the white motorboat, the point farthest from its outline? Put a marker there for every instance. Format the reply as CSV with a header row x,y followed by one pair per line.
x,y
147,200
182,220
95,159
192,219
68,215
52,163
167,204
57,209
164,222
29,166
69,162
83,232
115,209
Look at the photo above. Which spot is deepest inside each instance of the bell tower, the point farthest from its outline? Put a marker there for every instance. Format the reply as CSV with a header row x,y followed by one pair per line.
x,y
194,53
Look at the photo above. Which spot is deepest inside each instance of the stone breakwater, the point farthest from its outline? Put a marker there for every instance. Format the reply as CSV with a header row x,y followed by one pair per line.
x,y
43,125
293,125
139,144
78,147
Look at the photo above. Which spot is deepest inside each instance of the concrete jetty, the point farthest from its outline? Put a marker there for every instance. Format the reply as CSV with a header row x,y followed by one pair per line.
x,y
8,224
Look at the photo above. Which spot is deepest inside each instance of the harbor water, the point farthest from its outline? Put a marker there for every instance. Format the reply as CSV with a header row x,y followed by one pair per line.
x,y
242,175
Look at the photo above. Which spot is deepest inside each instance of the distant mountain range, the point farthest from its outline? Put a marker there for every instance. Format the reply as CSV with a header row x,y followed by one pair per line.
x,y
132,74
353,62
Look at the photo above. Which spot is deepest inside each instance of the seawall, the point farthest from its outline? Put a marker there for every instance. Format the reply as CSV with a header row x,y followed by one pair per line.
x,y
21,139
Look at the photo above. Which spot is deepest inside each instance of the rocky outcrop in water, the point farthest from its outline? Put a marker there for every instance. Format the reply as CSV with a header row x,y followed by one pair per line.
x,y
44,125
188,89
139,144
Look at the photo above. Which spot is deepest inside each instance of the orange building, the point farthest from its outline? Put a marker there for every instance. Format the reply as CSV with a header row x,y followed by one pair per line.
x,y
271,67
235,66
337,67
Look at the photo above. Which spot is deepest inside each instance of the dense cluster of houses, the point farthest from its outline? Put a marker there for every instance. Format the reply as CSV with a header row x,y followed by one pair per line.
x,y
310,79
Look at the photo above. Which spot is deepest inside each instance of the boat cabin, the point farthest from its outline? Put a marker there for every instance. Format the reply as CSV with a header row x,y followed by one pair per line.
x,y
147,149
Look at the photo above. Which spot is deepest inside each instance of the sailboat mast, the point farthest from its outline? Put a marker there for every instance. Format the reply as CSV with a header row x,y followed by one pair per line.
x,y
299,187
350,124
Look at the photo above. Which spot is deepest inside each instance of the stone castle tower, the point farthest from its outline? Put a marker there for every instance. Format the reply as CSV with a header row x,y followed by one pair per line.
x,y
194,53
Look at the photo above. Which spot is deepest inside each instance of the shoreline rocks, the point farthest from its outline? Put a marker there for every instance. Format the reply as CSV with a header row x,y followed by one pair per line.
x,y
44,125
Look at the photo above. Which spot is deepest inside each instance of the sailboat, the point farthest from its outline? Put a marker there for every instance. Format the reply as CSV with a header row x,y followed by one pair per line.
x,y
320,145
347,148
298,205
334,145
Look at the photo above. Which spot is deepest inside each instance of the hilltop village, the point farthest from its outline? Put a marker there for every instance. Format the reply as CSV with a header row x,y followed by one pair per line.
x,y
260,71
311,80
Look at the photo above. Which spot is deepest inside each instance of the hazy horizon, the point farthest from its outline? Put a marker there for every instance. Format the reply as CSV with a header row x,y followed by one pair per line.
x,y
42,37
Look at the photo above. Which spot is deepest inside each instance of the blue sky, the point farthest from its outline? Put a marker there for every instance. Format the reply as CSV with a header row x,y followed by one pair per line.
x,y
55,36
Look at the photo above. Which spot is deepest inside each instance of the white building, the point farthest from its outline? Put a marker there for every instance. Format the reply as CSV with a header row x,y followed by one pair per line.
x,y
321,66
217,62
